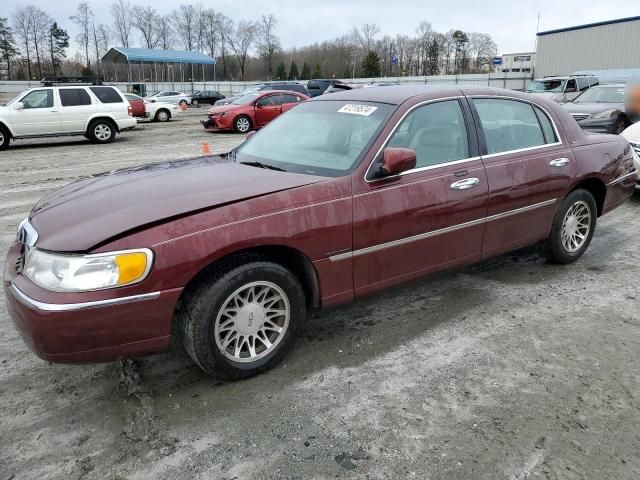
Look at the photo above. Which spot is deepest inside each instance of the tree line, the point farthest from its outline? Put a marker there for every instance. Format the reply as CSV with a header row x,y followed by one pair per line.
x,y
33,45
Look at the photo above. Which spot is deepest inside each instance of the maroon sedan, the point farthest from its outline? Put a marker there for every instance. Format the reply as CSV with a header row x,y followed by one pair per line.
x,y
252,111
343,196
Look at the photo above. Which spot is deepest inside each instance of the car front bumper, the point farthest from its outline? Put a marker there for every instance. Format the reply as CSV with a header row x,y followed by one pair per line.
x,y
217,123
84,328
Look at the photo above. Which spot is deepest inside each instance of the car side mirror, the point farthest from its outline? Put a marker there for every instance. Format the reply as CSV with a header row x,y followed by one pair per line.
x,y
259,105
18,106
397,160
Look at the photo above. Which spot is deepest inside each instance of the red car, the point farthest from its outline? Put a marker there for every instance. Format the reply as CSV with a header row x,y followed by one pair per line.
x,y
252,111
137,105
345,195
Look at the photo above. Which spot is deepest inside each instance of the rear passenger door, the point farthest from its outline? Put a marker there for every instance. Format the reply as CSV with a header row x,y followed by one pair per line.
x,y
428,218
75,108
529,166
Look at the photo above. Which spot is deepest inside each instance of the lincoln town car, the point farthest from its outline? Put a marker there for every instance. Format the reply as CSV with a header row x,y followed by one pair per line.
x,y
343,196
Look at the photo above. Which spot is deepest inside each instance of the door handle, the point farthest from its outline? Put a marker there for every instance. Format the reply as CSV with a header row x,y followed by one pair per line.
x,y
559,162
54,110
464,184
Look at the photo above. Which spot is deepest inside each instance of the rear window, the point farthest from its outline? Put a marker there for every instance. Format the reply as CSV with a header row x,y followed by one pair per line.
x,y
107,94
71,97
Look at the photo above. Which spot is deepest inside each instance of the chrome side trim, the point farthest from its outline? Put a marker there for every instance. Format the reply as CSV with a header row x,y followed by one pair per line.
x,y
623,177
453,228
519,150
69,307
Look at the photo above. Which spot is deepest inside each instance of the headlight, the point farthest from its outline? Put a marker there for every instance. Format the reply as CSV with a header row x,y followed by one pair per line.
x,y
80,273
607,114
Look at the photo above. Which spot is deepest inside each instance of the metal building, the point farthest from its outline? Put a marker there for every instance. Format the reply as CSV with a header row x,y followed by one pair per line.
x,y
596,46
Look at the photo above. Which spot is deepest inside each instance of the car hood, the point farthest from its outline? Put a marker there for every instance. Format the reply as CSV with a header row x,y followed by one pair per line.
x,y
225,108
90,211
592,107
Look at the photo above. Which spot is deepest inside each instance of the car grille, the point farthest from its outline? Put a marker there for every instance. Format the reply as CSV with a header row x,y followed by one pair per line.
x,y
635,146
579,116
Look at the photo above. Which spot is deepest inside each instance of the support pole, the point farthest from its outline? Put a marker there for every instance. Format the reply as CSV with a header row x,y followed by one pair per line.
x,y
204,84
130,77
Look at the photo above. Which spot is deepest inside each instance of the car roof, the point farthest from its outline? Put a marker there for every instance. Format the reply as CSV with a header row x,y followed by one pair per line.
x,y
397,94
271,92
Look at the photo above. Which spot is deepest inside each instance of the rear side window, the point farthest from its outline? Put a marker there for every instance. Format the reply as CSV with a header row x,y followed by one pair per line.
x,y
107,94
436,132
71,97
312,85
508,124
288,98
547,127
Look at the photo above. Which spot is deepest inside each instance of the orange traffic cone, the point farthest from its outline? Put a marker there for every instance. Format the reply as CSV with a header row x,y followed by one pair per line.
x,y
205,149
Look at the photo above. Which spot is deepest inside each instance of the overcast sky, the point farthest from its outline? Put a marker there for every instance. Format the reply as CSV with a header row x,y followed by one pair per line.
x,y
511,23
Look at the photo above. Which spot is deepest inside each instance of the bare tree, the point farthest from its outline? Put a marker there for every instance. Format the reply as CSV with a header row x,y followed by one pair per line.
x,y
366,36
122,20
40,23
186,25
164,32
83,19
144,19
210,22
226,29
243,37
22,24
268,42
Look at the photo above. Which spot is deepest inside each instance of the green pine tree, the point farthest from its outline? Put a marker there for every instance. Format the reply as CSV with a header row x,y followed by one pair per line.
x,y
293,71
306,72
58,42
371,65
318,71
281,71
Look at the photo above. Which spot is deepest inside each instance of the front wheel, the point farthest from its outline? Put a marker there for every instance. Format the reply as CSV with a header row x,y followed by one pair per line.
x,y
242,124
242,320
573,227
5,138
101,131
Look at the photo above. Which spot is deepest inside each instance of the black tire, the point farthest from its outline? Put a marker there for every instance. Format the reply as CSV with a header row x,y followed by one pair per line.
x,y
242,124
561,251
183,102
201,312
621,124
5,137
162,115
101,131
194,103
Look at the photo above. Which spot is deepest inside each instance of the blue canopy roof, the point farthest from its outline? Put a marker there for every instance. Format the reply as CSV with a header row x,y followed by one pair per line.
x,y
156,55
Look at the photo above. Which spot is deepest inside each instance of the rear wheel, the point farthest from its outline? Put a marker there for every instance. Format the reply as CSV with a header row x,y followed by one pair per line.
x,y
162,115
242,124
5,138
194,102
573,227
101,131
183,103
243,319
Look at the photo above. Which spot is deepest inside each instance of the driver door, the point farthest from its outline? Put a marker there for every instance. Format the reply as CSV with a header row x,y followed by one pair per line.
x,y
39,115
267,108
428,218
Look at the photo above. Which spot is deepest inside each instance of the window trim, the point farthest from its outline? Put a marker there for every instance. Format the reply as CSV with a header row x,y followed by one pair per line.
x,y
458,98
509,152
53,99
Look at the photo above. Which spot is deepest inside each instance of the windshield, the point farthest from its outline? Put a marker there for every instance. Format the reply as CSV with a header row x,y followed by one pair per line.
x,y
317,138
546,86
244,100
247,91
153,94
602,95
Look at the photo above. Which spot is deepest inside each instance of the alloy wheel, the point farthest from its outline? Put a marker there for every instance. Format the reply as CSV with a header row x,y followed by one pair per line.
x,y
163,116
243,125
576,226
252,321
102,132
194,103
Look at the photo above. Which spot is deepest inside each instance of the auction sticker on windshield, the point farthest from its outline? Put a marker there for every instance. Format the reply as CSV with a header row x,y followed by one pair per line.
x,y
364,110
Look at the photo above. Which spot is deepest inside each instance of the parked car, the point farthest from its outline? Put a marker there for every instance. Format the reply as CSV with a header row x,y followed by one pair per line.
x,y
252,111
137,105
318,86
169,97
205,96
266,86
562,89
600,109
162,111
341,87
97,112
341,197
632,135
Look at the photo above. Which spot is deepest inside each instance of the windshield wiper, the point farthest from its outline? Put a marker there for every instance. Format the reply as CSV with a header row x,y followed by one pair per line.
x,y
263,165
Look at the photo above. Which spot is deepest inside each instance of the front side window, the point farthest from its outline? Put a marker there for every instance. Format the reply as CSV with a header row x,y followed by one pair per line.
x,y
436,132
571,86
508,124
71,97
38,99
325,138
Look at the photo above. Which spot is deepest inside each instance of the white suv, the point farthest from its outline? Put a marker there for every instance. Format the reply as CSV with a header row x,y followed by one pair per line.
x,y
97,112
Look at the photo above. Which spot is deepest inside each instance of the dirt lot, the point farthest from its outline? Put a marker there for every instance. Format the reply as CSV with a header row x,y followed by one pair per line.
x,y
510,369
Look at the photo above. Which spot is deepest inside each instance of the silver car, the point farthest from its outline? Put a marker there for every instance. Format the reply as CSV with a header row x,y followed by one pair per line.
x,y
562,89
169,96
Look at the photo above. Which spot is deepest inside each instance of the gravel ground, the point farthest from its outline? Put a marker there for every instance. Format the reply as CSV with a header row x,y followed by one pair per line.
x,y
510,369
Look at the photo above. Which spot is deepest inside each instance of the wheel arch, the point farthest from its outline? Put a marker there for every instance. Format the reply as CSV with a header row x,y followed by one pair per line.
x,y
596,187
102,117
